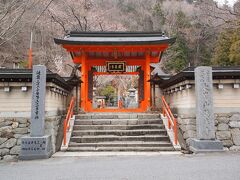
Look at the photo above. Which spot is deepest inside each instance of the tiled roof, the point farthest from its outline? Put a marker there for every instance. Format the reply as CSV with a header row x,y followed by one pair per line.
x,y
25,75
114,38
218,73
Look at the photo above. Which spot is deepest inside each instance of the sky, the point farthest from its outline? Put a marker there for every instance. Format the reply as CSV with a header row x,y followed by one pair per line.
x,y
230,2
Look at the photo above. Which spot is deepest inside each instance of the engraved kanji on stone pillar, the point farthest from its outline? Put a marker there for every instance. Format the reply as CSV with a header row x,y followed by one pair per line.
x,y
205,141
204,106
38,101
38,145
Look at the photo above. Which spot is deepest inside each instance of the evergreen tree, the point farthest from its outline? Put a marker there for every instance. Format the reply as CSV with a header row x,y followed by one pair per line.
x,y
108,92
159,13
182,21
227,50
178,53
179,58
234,54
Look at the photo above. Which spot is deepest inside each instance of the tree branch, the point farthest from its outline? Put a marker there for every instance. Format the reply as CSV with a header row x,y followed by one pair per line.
x,y
228,10
79,21
42,13
86,22
6,40
59,22
100,24
13,23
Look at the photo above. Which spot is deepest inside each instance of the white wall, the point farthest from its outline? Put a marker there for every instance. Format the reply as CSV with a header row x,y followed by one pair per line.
x,y
225,100
17,103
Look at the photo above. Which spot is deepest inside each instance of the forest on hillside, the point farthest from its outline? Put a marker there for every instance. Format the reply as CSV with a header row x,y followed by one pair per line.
x,y
206,33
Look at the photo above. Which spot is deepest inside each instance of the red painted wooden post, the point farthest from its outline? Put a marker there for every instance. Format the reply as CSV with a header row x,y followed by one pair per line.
x,y
65,132
175,132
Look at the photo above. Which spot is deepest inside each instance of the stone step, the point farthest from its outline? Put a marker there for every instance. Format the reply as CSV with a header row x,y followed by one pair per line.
x,y
118,127
146,149
123,144
92,139
149,116
120,132
116,121
118,116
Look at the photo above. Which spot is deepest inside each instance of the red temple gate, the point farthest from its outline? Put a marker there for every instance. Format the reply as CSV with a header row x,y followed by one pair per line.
x,y
91,49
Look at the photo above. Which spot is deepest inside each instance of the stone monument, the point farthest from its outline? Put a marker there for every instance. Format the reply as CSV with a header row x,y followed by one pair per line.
x,y
38,145
205,141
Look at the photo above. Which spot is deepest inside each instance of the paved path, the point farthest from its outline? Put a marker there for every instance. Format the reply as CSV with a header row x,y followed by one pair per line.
x,y
225,166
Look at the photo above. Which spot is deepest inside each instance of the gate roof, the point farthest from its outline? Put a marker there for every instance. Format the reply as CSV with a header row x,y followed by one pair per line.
x,y
114,38
116,44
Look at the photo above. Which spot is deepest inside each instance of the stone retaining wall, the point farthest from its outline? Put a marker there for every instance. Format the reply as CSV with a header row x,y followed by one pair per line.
x,y
227,126
12,129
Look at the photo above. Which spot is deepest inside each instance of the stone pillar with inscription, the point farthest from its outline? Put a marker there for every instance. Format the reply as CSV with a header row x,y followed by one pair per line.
x,y
205,141
38,145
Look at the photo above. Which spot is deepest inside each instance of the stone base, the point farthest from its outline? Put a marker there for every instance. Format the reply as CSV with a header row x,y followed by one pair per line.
x,y
204,146
36,148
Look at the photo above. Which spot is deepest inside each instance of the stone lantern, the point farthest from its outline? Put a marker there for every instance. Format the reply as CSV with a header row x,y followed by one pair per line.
x,y
132,92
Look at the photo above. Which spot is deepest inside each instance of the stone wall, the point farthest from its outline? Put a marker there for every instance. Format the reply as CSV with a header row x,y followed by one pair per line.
x,y
182,100
15,108
227,126
12,129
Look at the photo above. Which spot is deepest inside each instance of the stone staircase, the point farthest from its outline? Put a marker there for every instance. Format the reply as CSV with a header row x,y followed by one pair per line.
x,y
119,132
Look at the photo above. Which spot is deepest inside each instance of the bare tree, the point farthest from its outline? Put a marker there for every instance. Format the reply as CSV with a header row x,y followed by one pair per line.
x,y
220,16
10,14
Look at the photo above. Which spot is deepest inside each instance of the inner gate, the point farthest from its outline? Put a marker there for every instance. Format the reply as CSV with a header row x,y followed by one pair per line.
x,y
116,86
115,92
118,53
